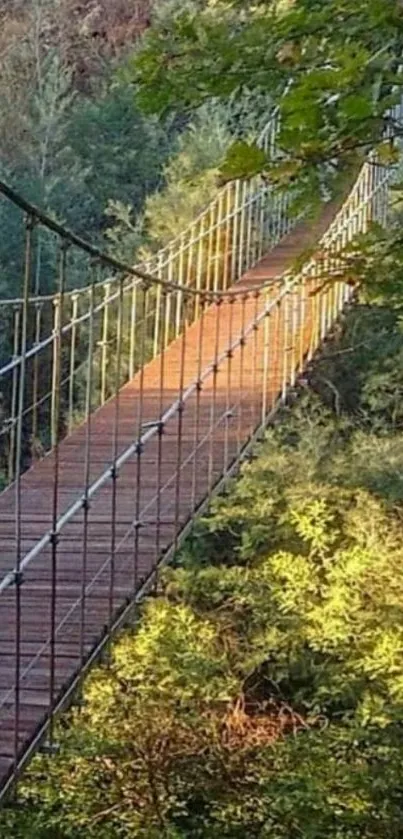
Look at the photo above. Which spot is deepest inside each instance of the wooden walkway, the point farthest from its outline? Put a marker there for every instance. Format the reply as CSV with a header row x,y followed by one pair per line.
x,y
163,486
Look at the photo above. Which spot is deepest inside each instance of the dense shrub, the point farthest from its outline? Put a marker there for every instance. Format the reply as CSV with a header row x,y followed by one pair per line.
x,y
262,693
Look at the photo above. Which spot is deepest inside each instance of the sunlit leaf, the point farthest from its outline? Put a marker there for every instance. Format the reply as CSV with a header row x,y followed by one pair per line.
x,y
243,160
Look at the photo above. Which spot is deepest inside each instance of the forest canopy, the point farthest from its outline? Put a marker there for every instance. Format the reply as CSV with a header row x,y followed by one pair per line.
x,y
329,66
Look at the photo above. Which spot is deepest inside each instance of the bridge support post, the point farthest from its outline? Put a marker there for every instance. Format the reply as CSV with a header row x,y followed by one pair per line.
x,y
199,385
266,362
139,430
12,466
55,429
72,365
18,471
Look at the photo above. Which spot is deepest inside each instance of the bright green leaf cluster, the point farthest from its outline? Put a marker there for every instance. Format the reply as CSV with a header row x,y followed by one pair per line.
x,y
261,695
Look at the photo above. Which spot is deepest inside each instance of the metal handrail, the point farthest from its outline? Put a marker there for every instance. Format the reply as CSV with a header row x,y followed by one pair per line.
x,y
137,271
85,346
351,219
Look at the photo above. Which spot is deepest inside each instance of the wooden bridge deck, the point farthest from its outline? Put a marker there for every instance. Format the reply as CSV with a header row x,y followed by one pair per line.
x,y
216,422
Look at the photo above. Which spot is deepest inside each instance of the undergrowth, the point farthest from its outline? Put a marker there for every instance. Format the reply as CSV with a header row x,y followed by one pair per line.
x,y
261,694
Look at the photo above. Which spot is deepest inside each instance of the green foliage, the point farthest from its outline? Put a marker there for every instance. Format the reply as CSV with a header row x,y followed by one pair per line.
x,y
373,260
68,152
189,179
243,160
121,152
261,694
330,69
361,375
190,176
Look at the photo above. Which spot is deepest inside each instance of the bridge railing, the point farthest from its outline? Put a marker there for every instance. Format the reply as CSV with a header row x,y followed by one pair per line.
x,y
238,351
245,219
102,322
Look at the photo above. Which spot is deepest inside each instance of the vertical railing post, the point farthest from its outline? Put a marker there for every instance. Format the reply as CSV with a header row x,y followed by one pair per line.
x,y
218,251
200,264
294,327
115,449
179,293
133,323
311,312
241,301
227,237
256,220
324,292
199,387
14,394
139,432
277,349
35,383
368,196
56,418
234,260
241,251
55,397
302,324
179,438
213,410
73,341
18,494
250,205
190,273
266,357
105,341
159,471
317,298
286,324
262,219
171,279
87,467
157,320
255,387
229,409
210,250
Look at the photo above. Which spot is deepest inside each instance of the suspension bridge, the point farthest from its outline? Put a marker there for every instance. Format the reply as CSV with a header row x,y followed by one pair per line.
x,y
128,396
